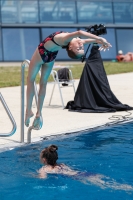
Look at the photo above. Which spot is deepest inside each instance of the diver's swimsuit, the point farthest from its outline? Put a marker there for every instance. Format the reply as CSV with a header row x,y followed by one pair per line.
x,y
48,56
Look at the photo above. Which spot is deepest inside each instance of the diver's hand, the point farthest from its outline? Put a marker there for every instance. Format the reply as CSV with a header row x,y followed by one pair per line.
x,y
103,48
105,44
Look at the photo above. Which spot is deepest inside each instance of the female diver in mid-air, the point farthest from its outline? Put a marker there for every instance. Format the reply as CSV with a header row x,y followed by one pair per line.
x,y
48,158
44,58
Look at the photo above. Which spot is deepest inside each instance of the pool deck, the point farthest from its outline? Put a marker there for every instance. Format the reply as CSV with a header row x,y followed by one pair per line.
x,y
57,120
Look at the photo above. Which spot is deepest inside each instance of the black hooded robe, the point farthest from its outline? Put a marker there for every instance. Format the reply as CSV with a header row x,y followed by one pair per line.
x,y
93,93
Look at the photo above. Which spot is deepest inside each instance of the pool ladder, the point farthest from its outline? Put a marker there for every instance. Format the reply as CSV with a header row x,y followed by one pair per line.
x,y
10,117
23,65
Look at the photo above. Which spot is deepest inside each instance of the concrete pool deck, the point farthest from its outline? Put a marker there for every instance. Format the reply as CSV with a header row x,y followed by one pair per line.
x,y
57,120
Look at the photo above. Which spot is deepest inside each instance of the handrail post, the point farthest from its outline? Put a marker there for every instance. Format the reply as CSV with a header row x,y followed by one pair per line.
x,y
22,97
29,134
22,101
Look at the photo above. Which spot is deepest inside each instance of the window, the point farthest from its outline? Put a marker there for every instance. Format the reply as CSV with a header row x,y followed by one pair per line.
x,y
95,12
18,44
20,11
123,12
0,12
125,44
0,46
57,11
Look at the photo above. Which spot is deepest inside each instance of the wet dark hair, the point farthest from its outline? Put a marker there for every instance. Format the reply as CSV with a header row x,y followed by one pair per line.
x,y
50,154
70,53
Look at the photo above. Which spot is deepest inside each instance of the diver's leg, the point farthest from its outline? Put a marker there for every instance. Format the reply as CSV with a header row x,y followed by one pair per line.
x,y
34,67
45,72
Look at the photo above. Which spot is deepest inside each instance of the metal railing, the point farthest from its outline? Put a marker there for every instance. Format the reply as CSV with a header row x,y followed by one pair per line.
x,y
23,65
10,117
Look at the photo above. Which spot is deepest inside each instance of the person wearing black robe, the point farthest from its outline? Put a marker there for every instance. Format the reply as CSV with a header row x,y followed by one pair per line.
x,y
94,93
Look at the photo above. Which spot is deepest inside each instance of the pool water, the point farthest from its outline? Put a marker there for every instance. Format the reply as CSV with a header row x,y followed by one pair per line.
x,y
108,152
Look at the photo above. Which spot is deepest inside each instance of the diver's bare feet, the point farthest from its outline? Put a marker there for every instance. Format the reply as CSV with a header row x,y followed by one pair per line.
x,y
38,122
27,118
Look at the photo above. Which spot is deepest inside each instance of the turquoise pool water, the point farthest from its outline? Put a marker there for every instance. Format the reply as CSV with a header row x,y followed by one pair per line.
x,y
108,152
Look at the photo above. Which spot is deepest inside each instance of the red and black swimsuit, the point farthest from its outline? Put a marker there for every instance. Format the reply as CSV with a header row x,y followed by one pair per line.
x,y
48,56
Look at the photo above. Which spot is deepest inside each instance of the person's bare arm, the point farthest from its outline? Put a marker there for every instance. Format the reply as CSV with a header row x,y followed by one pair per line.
x,y
130,53
69,36
103,47
42,173
86,41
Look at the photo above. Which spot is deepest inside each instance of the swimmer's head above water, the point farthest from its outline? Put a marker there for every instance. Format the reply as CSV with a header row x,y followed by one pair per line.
x,y
49,155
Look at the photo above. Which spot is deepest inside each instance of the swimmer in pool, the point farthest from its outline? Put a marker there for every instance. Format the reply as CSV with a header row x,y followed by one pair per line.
x,y
49,157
